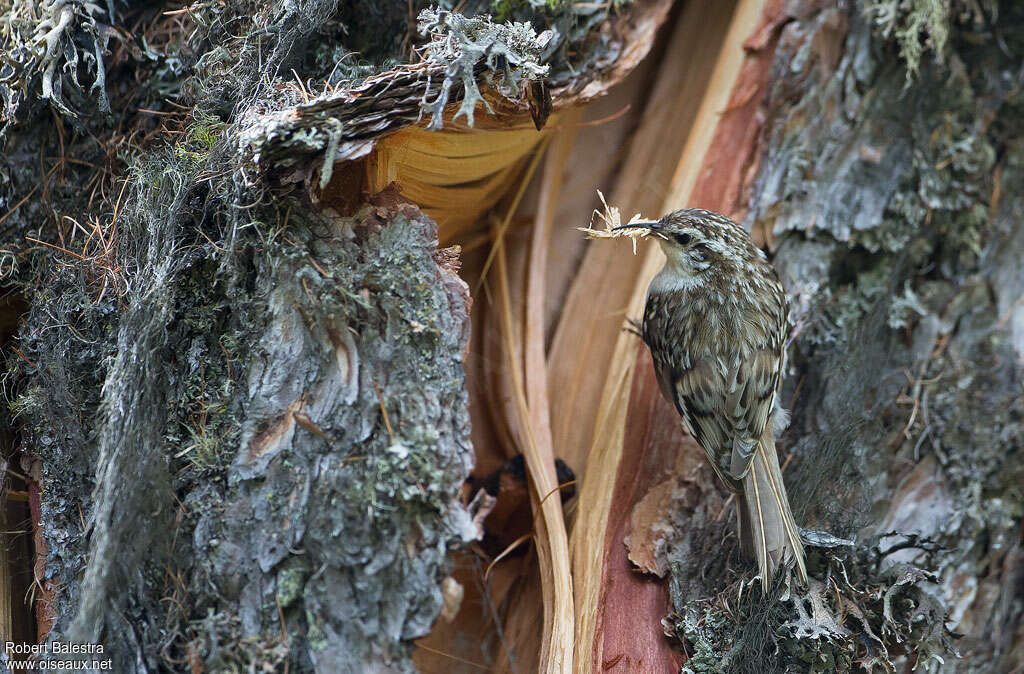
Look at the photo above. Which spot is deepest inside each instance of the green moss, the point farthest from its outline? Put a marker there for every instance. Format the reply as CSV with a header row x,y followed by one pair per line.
x,y
291,578
200,138
219,637
30,403
206,451
315,634
206,424
206,130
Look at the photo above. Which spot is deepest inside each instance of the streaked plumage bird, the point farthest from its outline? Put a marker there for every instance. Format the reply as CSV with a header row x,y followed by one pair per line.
x,y
716,323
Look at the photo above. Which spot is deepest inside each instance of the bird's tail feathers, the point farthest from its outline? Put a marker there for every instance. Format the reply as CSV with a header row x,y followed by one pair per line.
x,y
767,528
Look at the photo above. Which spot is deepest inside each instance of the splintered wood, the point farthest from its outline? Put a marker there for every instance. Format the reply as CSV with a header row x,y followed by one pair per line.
x,y
612,218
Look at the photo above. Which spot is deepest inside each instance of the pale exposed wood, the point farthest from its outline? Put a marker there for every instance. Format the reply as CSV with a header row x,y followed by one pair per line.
x,y
459,173
506,298
602,141
524,343
592,360
727,69
557,647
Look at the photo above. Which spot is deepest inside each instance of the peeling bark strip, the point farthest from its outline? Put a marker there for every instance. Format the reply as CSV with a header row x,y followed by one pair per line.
x,y
463,54
340,126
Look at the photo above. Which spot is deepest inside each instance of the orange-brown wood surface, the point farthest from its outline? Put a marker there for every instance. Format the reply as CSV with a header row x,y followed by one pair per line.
x,y
734,156
634,603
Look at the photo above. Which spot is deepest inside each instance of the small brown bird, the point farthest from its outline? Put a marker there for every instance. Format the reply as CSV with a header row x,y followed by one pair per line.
x,y
716,323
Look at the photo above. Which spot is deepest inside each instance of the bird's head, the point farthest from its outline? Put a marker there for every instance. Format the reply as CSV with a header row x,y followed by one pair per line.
x,y
695,241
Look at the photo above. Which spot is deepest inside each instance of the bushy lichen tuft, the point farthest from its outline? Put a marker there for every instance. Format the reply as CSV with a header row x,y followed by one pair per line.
x,y
510,53
47,46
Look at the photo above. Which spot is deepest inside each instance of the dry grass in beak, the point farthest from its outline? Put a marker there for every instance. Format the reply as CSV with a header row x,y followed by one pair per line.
x,y
612,219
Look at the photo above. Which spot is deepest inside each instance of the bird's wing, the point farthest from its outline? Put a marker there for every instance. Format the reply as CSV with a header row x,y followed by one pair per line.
x,y
755,383
750,403
726,400
726,406
698,393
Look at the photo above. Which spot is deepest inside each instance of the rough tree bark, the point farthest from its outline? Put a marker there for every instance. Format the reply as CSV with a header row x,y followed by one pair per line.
x,y
324,442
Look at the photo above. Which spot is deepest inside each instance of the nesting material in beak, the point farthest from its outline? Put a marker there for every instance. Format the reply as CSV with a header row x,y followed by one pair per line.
x,y
636,228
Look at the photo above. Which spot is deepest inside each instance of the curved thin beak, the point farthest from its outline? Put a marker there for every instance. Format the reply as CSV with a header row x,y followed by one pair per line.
x,y
652,225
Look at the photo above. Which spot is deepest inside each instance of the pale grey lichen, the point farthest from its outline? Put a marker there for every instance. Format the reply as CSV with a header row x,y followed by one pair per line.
x,y
294,141
905,307
863,616
46,46
507,53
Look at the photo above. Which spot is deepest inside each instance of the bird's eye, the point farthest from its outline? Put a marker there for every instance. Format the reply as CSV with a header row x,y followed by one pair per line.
x,y
683,239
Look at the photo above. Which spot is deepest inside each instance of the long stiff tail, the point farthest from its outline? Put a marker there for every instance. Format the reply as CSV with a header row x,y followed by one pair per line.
x,y
767,528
